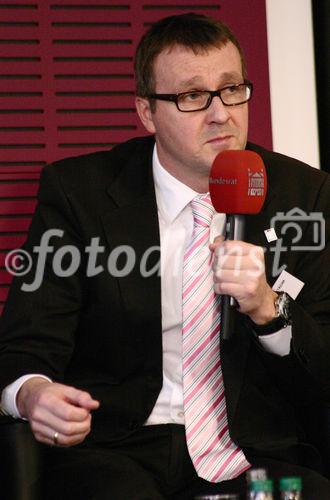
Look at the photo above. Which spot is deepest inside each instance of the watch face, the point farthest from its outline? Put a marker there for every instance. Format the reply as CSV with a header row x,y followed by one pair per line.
x,y
283,304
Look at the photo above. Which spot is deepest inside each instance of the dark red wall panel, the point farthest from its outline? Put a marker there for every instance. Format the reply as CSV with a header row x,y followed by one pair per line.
x,y
67,83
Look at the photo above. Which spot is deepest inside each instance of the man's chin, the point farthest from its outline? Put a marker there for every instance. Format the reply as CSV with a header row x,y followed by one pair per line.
x,y
216,149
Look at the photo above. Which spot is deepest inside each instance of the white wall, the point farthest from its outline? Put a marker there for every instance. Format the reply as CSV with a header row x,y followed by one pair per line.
x,y
292,79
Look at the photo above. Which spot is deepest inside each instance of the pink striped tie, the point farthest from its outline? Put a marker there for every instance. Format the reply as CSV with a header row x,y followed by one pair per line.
x,y
215,456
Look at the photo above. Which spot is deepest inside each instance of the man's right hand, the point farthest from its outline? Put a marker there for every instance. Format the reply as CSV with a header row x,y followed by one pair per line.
x,y
56,408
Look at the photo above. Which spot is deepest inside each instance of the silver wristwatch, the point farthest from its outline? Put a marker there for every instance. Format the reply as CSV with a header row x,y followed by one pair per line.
x,y
282,316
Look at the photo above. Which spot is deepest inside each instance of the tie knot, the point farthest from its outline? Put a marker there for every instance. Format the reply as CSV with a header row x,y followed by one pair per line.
x,y
203,210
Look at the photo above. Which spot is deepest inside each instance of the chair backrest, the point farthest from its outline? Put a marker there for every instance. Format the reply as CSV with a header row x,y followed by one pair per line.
x,y
21,463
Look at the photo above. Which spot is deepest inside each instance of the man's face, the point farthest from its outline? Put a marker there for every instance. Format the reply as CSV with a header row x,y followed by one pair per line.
x,y
187,143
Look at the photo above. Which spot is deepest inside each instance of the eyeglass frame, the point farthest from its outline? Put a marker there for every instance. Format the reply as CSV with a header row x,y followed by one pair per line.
x,y
212,93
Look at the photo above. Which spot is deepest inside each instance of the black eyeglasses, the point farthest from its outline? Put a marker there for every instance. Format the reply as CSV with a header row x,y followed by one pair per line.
x,y
196,100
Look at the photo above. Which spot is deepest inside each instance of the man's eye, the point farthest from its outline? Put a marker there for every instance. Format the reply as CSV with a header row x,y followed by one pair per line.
x,y
232,89
193,96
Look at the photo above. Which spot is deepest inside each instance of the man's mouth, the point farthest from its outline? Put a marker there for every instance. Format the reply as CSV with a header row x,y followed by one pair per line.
x,y
219,139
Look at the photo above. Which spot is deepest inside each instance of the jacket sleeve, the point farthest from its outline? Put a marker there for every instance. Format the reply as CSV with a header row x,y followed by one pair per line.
x,y
41,314
304,374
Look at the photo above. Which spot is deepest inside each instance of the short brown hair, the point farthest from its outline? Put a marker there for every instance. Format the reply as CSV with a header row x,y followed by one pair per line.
x,y
195,31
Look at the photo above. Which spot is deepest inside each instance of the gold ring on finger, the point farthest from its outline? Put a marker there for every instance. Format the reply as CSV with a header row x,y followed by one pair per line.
x,y
55,438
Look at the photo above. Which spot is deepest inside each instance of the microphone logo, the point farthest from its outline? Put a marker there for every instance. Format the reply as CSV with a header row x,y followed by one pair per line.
x,y
256,184
223,181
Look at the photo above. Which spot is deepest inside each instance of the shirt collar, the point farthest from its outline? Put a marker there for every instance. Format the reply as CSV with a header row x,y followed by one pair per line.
x,y
171,194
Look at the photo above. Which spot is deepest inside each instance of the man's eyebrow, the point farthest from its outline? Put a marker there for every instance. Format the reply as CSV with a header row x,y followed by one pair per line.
x,y
197,80
232,76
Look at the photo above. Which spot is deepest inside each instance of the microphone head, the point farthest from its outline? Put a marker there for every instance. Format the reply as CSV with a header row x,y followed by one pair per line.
x,y
238,182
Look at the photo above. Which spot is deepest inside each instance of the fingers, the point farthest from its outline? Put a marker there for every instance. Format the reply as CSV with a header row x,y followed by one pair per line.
x,y
228,279
237,261
43,420
61,440
239,271
81,398
240,291
220,241
67,433
59,408
217,242
64,402
235,248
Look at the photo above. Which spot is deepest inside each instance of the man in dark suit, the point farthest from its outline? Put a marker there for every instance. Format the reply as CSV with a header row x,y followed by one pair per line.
x,y
90,344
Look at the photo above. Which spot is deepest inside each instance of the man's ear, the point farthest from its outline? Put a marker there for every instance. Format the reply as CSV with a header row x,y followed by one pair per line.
x,y
143,108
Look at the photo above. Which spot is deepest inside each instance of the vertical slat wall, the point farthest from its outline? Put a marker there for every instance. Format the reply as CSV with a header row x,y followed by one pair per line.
x,y
67,87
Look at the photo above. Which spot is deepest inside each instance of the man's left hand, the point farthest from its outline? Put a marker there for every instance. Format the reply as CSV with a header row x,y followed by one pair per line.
x,y
239,271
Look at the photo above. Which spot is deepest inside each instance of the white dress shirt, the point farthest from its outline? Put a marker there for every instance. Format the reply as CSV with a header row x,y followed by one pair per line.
x,y
176,227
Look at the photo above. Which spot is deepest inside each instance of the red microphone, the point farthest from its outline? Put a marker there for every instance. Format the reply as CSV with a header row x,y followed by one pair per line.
x,y
238,186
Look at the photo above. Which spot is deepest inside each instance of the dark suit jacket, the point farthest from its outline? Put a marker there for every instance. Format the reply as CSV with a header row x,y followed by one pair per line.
x,y
103,332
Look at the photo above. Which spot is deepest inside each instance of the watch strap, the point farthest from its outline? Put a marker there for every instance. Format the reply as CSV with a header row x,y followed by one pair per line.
x,y
281,320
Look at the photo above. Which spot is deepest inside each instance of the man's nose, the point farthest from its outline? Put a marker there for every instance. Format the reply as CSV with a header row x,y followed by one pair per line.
x,y
217,111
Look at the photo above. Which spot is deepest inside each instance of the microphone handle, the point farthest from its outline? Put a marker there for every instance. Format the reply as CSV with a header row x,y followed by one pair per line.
x,y
235,227
235,231
225,330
